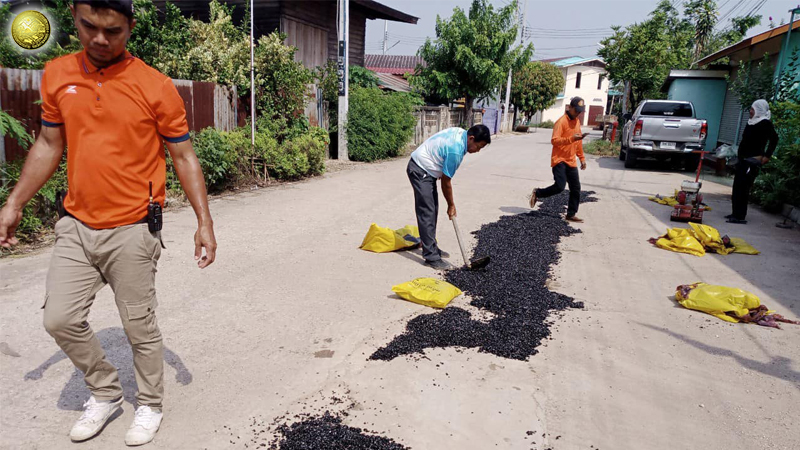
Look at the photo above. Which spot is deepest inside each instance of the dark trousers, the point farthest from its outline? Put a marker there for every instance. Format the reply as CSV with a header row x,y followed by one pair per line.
x,y
746,174
426,205
563,175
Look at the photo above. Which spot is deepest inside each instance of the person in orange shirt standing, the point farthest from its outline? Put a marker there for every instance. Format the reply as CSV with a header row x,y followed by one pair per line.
x,y
115,113
567,143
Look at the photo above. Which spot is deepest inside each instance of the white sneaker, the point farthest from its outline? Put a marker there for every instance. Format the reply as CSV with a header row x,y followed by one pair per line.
x,y
144,427
94,417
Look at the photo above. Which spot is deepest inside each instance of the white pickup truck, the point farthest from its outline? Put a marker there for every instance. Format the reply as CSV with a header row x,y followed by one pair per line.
x,y
663,129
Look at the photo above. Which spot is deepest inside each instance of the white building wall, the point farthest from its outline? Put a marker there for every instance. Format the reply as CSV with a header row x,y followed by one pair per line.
x,y
588,91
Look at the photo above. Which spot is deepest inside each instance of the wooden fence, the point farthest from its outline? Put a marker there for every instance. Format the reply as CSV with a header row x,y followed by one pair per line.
x,y
207,105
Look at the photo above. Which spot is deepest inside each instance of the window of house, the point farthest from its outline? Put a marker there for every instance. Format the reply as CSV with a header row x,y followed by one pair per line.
x,y
600,82
578,81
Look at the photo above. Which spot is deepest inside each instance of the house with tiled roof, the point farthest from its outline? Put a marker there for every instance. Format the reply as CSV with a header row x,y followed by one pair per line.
x,y
585,78
393,70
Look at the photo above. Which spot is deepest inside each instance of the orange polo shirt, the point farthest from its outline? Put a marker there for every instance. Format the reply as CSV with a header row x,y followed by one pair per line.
x,y
116,120
565,147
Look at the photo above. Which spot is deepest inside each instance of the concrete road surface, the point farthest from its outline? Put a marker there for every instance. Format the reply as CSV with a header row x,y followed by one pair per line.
x,y
285,319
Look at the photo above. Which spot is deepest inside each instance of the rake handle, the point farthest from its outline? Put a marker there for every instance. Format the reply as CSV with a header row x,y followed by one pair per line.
x,y
460,242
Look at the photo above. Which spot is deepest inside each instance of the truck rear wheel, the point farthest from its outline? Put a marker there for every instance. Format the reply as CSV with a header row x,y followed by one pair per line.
x,y
630,159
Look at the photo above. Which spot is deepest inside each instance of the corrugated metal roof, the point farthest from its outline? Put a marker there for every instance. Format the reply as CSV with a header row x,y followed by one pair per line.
x,y
393,83
749,42
393,64
575,61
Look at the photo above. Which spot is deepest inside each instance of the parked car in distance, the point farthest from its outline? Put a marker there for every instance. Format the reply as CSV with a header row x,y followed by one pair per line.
x,y
663,129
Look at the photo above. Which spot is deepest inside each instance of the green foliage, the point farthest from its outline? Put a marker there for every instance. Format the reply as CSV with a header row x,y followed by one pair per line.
x,y
216,157
732,34
754,82
379,124
361,77
14,128
535,87
546,124
779,181
472,53
703,16
300,156
41,211
601,147
644,53
281,82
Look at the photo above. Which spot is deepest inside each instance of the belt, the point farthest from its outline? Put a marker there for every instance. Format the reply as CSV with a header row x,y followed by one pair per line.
x,y
138,222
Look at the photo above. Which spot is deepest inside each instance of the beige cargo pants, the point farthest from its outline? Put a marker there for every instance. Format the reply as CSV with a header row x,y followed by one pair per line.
x,y
84,260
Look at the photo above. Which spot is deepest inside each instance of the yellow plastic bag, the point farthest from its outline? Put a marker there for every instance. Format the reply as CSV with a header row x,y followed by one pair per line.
x,y
741,246
669,201
710,238
382,240
682,241
427,291
717,300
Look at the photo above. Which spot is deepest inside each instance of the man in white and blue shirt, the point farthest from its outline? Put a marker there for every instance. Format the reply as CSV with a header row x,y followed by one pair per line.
x,y
439,158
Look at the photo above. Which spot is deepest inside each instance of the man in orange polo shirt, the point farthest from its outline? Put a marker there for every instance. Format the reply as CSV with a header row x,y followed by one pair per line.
x,y
115,114
567,143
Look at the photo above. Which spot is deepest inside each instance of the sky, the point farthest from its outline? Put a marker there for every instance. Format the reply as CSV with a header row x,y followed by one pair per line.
x,y
555,30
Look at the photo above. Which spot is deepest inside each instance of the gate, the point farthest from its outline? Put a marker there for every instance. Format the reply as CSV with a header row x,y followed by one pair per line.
x,y
491,119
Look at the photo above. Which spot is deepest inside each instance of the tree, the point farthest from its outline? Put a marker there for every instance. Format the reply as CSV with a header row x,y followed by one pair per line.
x,y
703,15
472,54
535,87
644,53
732,34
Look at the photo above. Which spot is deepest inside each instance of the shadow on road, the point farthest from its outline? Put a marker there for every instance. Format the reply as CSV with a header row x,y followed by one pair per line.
x,y
779,367
119,354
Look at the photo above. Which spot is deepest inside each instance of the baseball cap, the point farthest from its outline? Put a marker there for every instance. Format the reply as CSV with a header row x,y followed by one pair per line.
x,y
121,6
577,103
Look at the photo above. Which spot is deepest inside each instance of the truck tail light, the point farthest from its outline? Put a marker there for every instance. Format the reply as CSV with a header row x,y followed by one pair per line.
x,y
637,129
704,130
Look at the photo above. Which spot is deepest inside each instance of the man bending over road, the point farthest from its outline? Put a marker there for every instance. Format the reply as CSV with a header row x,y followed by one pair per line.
x,y
567,143
115,113
438,158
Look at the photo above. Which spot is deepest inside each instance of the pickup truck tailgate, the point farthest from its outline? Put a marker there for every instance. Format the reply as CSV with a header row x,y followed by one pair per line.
x,y
670,129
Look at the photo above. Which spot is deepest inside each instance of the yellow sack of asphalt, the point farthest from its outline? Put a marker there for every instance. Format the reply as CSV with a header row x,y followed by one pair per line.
x,y
681,240
741,246
383,240
710,238
717,300
427,291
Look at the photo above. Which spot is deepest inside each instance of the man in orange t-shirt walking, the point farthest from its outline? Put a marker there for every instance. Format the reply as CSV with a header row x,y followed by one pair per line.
x,y
116,114
567,143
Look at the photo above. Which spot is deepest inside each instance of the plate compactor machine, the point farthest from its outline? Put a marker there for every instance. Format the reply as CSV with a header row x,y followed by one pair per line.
x,y
690,205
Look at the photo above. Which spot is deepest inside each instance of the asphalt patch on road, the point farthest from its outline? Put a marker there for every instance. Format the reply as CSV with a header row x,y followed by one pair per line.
x,y
523,249
327,432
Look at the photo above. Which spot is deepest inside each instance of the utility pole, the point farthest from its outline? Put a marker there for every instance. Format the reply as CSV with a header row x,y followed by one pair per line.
x,y
344,78
385,34
508,84
252,80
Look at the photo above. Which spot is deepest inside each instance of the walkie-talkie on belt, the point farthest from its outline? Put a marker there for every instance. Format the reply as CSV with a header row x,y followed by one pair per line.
x,y
154,214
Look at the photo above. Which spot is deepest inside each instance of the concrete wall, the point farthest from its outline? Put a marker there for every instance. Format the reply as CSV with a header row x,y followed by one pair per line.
x,y
588,91
708,96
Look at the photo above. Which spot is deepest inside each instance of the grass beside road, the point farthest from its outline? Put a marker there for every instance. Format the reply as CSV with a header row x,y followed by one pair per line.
x,y
601,148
